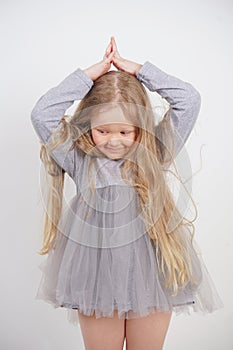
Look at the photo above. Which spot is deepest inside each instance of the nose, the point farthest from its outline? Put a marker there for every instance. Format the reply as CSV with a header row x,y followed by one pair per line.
x,y
113,141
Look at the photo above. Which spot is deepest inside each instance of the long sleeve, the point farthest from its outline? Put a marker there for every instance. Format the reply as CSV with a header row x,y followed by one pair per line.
x,y
50,109
184,99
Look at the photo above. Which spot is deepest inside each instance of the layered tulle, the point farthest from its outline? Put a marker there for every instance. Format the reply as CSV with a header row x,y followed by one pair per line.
x,y
103,259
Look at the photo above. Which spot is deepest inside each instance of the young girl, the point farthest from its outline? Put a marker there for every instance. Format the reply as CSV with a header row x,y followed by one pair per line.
x,y
121,256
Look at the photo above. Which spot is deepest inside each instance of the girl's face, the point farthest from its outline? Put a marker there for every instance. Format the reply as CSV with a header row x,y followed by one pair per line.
x,y
112,133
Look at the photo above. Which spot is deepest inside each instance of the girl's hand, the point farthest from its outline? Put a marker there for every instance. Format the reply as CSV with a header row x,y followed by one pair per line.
x,y
121,63
102,67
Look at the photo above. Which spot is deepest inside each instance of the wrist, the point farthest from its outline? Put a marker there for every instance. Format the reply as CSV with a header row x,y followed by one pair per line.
x,y
88,72
137,69
96,70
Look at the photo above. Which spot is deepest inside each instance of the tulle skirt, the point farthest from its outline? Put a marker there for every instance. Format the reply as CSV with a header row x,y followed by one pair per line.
x,y
103,260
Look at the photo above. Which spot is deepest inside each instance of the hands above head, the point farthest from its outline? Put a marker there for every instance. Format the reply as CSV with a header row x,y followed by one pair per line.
x,y
100,68
121,63
112,56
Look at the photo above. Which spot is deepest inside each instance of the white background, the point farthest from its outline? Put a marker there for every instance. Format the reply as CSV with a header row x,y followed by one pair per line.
x,y
41,43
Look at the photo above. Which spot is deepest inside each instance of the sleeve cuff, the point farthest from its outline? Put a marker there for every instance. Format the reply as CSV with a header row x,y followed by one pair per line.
x,y
143,70
84,77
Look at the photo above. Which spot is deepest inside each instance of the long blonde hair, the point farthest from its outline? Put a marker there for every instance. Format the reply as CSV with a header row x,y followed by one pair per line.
x,y
147,163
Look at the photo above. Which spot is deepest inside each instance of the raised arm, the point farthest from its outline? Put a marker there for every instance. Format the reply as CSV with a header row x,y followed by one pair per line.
x,y
50,109
184,99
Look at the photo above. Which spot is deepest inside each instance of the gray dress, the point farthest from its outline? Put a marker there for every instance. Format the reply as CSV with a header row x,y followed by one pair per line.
x,y
102,258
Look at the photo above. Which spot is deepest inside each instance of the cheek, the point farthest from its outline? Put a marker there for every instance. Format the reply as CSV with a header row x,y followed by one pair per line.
x,y
129,141
133,138
93,136
96,138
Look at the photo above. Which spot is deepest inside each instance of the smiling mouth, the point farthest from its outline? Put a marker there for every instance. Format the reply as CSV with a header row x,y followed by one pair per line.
x,y
115,149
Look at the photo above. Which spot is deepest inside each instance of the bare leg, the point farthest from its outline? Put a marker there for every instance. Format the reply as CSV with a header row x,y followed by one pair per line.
x,y
147,333
103,333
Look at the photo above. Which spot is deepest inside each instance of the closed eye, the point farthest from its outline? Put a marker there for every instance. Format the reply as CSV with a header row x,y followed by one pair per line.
x,y
126,132
122,132
101,131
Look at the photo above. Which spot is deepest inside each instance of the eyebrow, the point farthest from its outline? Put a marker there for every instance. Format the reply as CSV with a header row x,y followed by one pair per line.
x,y
122,129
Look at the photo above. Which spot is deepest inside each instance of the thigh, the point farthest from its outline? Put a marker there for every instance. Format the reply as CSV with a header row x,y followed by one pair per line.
x,y
147,332
102,333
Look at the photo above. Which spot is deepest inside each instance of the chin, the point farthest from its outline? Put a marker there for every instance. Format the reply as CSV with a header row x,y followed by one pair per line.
x,y
113,157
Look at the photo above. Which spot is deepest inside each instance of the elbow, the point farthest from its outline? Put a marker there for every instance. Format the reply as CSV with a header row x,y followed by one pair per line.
x,y
36,112
194,93
34,116
194,98
197,99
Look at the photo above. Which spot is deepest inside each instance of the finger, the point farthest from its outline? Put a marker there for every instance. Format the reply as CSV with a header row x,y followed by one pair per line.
x,y
110,57
114,46
107,51
115,59
113,42
106,55
108,48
